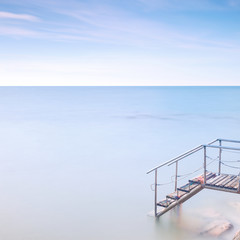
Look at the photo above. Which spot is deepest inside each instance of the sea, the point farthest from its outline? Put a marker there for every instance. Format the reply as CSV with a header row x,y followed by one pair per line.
x,y
73,161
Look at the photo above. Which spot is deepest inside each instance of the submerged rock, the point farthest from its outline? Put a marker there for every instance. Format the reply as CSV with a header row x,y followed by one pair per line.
x,y
209,223
216,228
237,236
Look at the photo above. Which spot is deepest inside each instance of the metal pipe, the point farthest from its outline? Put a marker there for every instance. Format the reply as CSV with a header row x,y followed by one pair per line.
x,y
238,189
173,160
213,141
176,176
228,140
185,156
205,165
222,147
239,186
177,158
155,200
201,146
220,157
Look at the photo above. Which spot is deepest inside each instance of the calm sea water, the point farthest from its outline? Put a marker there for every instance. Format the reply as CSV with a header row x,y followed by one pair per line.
x,y
74,159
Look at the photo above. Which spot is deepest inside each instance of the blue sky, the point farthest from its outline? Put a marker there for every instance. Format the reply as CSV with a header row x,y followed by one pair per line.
x,y
134,42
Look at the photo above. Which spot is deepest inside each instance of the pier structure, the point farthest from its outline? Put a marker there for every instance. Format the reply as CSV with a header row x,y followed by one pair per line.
x,y
214,180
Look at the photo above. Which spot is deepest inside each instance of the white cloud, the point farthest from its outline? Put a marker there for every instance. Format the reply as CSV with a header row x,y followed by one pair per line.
x,y
118,27
101,24
185,4
15,31
16,16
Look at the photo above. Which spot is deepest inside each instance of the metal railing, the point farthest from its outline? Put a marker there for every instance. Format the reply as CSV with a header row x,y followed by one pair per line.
x,y
188,153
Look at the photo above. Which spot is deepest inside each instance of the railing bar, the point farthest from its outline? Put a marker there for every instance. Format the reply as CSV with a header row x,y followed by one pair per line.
x,y
213,142
205,165
174,159
220,158
177,160
181,156
222,147
155,199
176,176
228,140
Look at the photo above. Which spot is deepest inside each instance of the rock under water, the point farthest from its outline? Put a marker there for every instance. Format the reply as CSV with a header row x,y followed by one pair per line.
x,y
237,236
216,228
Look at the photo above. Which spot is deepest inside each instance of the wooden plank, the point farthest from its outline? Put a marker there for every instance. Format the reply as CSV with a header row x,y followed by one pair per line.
x,y
176,195
184,188
229,179
193,185
165,203
231,182
222,177
218,183
235,186
235,183
188,187
226,179
181,200
221,182
218,179
233,179
212,175
197,180
212,180
232,186
238,184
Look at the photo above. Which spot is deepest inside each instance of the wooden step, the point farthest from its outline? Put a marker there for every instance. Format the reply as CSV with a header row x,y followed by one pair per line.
x,y
188,187
232,183
184,198
217,180
226,181
165,203
200,179
176,195
221,182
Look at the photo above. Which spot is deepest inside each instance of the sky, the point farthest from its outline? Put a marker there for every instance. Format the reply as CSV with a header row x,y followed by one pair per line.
x,y
127,42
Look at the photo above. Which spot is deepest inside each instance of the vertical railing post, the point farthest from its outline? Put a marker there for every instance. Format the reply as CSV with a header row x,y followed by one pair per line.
x,y
239,185
205,165
176,175
220,158
155,200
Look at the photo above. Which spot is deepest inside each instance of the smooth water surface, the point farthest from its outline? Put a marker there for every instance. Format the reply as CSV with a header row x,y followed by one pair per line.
x,y
74,159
